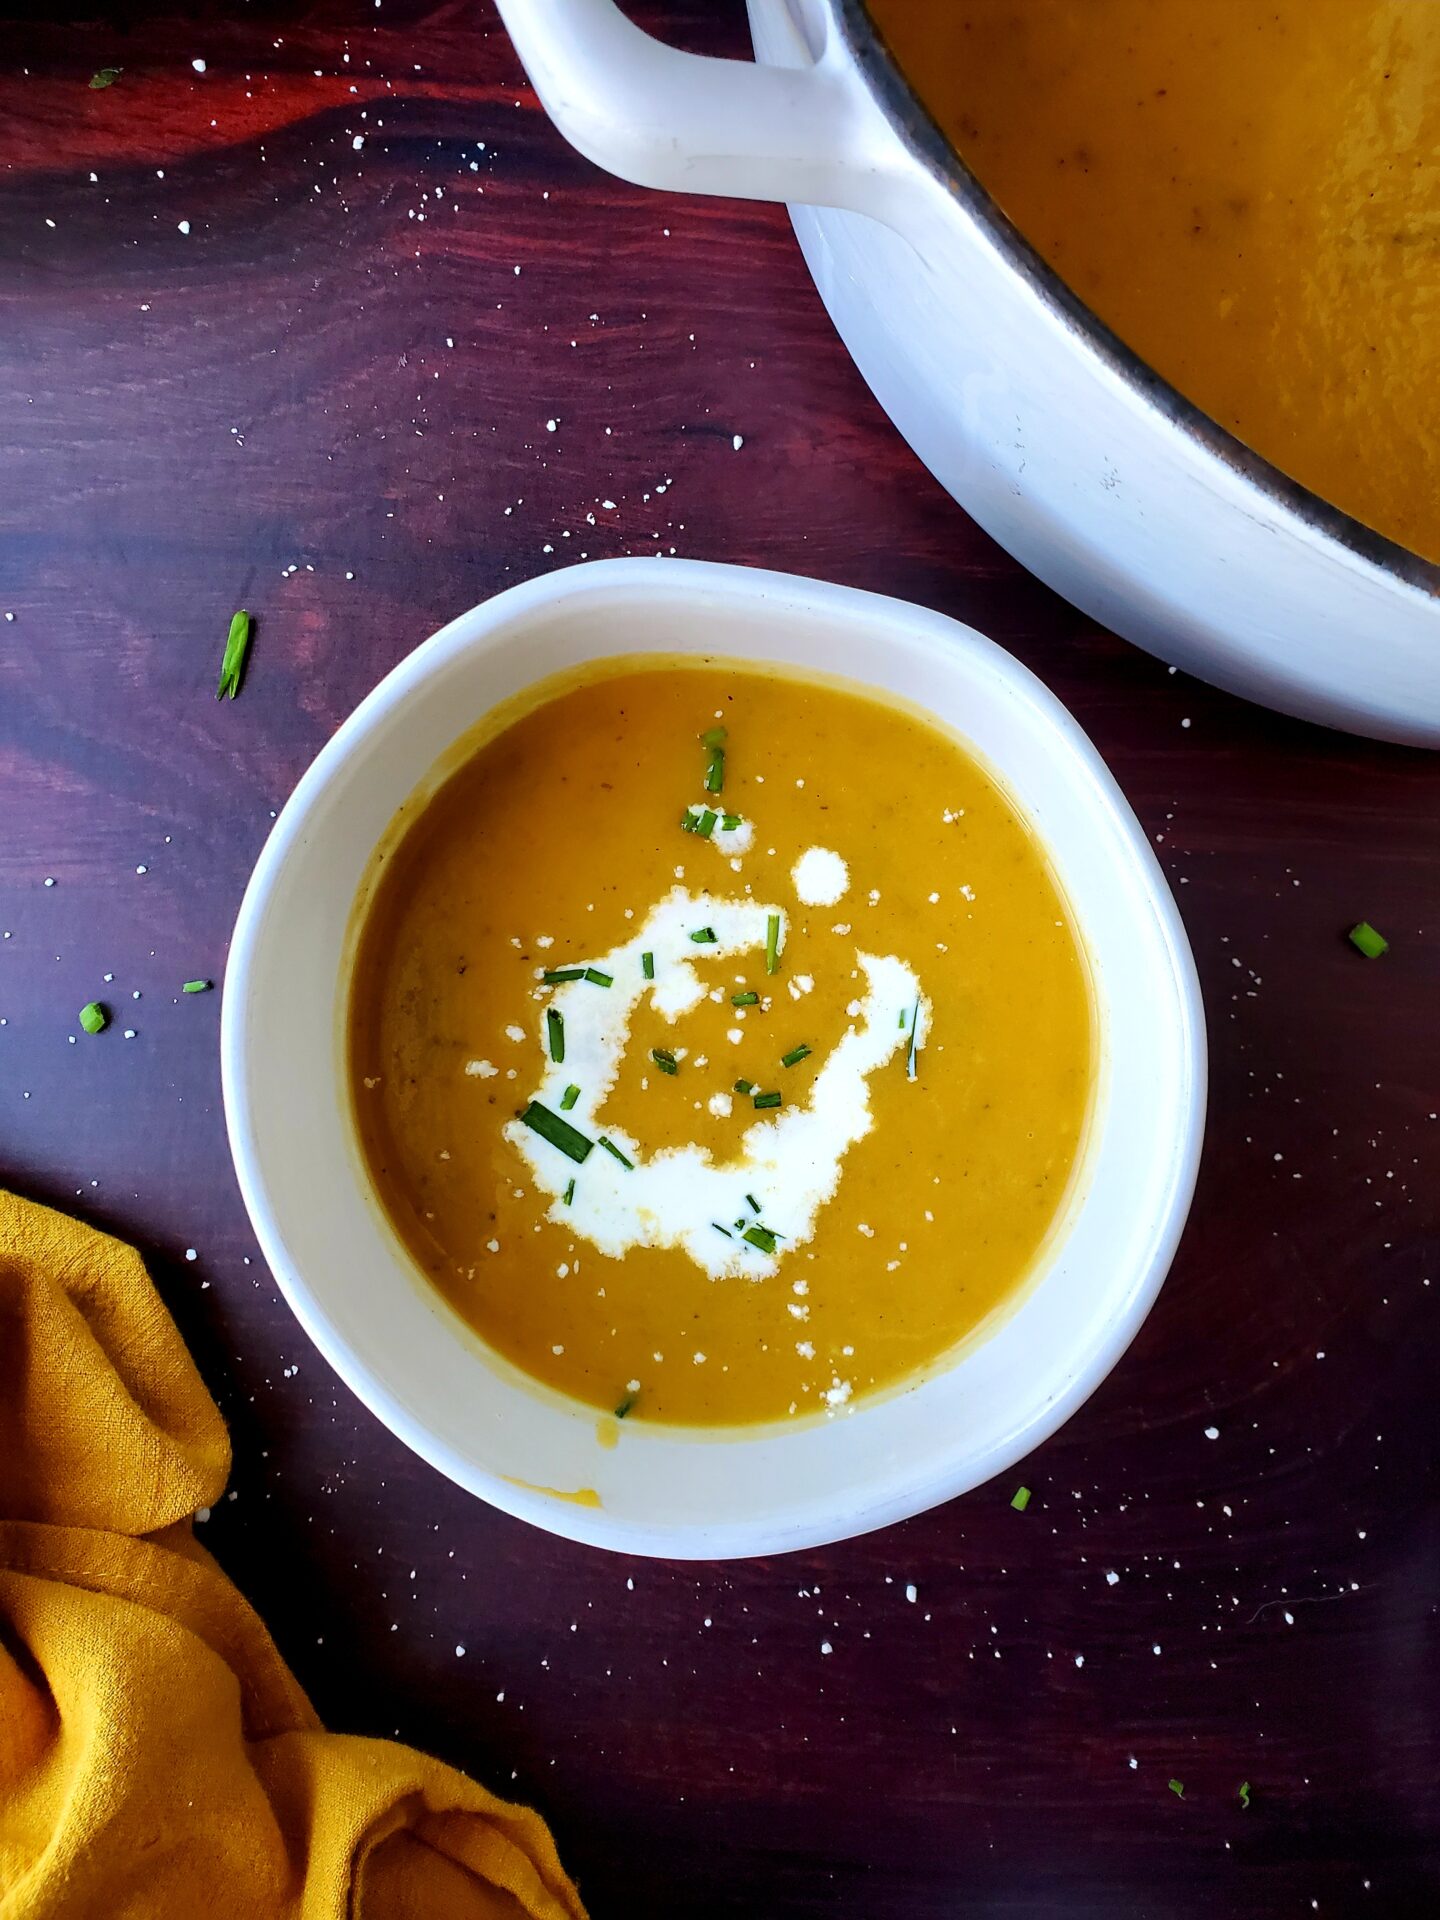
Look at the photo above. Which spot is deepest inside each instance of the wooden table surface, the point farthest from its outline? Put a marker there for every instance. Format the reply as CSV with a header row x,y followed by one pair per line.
x,y
340,330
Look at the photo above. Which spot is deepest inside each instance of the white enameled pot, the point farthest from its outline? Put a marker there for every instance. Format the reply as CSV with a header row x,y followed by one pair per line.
x,y
1076,457
675,1491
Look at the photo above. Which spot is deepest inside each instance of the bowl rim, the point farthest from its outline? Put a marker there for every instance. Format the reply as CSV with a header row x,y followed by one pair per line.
x,y
481,626
933,149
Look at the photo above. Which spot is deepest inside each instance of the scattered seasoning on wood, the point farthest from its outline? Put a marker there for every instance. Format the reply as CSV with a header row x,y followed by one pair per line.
x,y
94,1018
232,666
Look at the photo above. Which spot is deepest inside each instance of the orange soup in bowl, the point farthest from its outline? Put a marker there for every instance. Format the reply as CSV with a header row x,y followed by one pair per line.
x,y
720,1041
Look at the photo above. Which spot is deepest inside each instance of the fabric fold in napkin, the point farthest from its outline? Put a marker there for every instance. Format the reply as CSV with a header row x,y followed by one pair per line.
x,y
157,1756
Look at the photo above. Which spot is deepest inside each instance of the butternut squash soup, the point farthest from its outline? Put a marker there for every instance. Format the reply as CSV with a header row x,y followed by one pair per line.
x,y
1247,191
720,1042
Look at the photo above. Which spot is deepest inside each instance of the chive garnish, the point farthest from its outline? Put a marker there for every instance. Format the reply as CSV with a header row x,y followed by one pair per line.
x,y
744,999
754,1203
719,1229
554,975
1244,1791
555,1033
625,1405
901,1021
1370,943
702,823
93,1017
558,1132
739,1224
760,1237
1177,1788
704,936
647,965
914,1046
599,979
795,1055
196,986
232,666
730,821
610,1147
763,1100
569,1193
569,1097
772,944
665,1061
713,740
743,1086
104,77
1021,1499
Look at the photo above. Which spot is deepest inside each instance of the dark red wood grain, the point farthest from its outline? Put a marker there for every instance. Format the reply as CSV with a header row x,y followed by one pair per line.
x,y
328,401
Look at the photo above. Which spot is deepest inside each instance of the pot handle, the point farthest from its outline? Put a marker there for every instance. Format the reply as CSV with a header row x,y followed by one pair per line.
x,y
691,123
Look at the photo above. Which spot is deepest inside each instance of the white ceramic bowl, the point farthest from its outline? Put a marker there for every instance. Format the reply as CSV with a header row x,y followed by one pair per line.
x,y
394,1340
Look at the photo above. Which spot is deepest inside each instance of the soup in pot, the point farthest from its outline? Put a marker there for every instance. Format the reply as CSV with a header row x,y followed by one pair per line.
x,y
720,1041
1246,191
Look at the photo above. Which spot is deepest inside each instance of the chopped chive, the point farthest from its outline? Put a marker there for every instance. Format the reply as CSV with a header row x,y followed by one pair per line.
x,y
569,1193
1370,943
1021,1499
730,821
558,1132
719,1229
714,737
914,1046
754,1203
901,1021
610,1147
704,936
740,1223
664,1060
104,77
569,1097
744,999
1244,1791
625,1405
705,824
196,986
743,1086
555,1033
232,666
763,1100
795,1055
772,944
599,979
760,1237
1177,1787
715,770
554,975
647,965
94,1018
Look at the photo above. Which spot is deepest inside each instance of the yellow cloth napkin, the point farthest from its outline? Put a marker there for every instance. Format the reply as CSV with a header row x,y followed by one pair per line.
x,y
157,1757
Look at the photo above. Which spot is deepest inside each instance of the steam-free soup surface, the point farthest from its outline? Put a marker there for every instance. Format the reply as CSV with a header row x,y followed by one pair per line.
x,y
819,1094
1245,190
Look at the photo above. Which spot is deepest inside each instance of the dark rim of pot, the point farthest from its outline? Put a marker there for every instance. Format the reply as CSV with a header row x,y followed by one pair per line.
x,y
933,149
